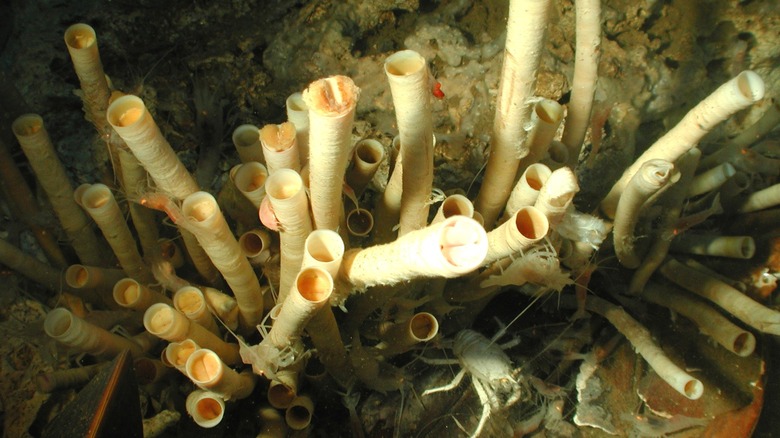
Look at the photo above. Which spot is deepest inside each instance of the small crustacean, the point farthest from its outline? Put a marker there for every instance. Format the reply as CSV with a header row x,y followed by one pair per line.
x,y
491,372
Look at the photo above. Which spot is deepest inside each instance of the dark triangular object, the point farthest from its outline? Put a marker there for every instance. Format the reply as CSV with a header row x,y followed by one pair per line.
x,y
107,407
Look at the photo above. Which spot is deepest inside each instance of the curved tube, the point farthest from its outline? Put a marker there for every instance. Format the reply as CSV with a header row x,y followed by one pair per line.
x,y
205,407
66,379
557,194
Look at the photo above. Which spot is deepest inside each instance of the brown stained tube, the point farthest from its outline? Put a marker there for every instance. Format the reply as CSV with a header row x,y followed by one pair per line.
x,y
92,277
739,247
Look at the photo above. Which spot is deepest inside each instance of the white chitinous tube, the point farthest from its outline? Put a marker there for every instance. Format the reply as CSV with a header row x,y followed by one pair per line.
x,y
557,194
388,208
81,41
74,332
299,414
298,114
527,189
729,299
586,63
177,353
131,120
454,205
190,301
101,205
131,294
312,290
205,407
89,277
649,180
526,25
738,247
710,322
249,179
37,146
407,72
736,94
168,323
526,227
762,199
287,196
246,139
450,248
331,103
711,179
66,379
402,336
206,222
280,148
643,343
360,222
324,249
367,157
206,369
545,118
256,246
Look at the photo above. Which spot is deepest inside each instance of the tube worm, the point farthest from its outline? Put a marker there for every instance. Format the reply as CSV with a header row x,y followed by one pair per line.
x,y
149,370
557,155
710,322
331,102
711,179
279,147
37,146
92,277
557,194
74,332
206,369
454,205
168,323
526,24
272,424
177,353
206,222
66,379
131,294
284,386
190,301
451,248
526,191
367,157
762,199
736,94
739,247
545,118
298,415
652,177
134,182
29,266
586,64
402,336
99,202
729,299
526,227
205,407
256,246
407,73
246,139
298,114
360,222
287,196
249,179
643,343
81,41
388,209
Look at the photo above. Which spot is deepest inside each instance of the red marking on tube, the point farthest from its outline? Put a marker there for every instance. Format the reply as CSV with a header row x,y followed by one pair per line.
x,y
437,93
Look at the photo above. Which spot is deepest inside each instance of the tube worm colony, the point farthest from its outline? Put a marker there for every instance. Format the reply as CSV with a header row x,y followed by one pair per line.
x,y
287,286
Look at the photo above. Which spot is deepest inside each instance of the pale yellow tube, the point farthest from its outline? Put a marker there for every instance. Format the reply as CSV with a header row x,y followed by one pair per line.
x,y
168,323
526,24
205,368
288,199
210,228
280,147
526,191
298,114
729,299
557,194
388,209
586,65
131,294
246,139
545,118
762,199
37,146
403,336
249,179
92,277
312,290
711,179
177,353
451,248
205,407
190,301
331,103
710,322
256,246
299,414
99,202
367,157
407,73
323,249
81,41
738,247
454,205
74,332
736,94
135,181
526,227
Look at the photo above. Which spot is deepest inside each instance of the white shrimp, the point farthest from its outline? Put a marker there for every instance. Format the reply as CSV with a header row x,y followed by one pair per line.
x,y
491,372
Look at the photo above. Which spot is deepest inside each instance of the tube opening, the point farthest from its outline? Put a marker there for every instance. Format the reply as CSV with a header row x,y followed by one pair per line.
x,y
76,276
463,243
295,102
558,152
204,366
324,246
369,151
209,409
298,417
27,125
403,63
314,284
283,184
531,223
457,205
58,322
536,175
189,300
748,248
96,196
251,243
246,135
80,36
693,389
145,370
158,318
548,111
126,292
360,222
250,177
125,111
750,85
200,206
744,344
280,395
424,326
